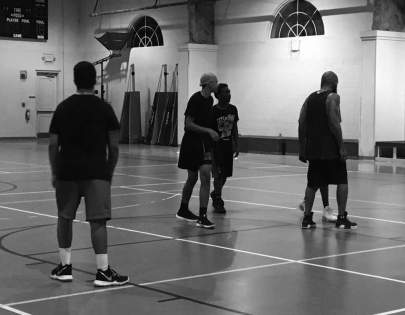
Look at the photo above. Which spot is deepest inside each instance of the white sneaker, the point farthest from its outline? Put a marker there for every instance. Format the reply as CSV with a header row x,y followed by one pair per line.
x,y
301,206
328,215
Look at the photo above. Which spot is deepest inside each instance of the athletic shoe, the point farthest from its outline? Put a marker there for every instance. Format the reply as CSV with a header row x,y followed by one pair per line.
x,y
219,210
217,203
62,273
328,215
307,222
301,206
109,277
204,222
343,222
216,200
186,215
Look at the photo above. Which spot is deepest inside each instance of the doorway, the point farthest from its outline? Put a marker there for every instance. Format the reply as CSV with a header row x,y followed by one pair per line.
x,y
46,100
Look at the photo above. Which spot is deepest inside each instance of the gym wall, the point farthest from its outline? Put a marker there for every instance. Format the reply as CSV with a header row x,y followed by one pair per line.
x,y
269,82
18,55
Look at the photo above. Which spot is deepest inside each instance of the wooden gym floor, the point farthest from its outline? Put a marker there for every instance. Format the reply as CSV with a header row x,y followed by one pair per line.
x,y
256,261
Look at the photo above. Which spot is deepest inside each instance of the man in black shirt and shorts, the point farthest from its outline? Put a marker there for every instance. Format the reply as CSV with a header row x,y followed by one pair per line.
x,y
226,148
196,149
321,143
83,152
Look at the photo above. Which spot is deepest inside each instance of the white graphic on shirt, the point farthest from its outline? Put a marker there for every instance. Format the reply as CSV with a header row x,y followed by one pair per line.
x,y
225,125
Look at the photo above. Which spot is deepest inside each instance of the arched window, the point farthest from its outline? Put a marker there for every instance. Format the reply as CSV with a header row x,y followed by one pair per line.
x,y
145,32
297,18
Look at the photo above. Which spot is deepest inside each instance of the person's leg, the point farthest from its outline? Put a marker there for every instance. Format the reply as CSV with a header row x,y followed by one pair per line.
x,y
325,195
192,177
184,213
98,232
327,212
105,276
307,221
63,272
205,177
342,190
67,200
97,196
309,199
341,197
314,180
64,232
216,194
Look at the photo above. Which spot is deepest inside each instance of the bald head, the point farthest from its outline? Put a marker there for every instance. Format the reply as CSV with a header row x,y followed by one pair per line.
x,y
329,81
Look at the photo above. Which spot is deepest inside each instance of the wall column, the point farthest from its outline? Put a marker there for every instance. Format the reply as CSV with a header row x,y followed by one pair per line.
x,y
382,116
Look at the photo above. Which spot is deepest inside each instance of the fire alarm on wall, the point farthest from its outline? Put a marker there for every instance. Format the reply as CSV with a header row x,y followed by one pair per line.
x,y
23,75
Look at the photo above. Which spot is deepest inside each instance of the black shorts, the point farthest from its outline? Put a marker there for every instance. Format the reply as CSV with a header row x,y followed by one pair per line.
x,y
96,194
326,172
222,163
194,153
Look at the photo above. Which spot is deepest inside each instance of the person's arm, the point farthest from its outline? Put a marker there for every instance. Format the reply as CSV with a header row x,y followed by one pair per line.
x,y
53,148
333,112
190,125
235,139
113,151
302,130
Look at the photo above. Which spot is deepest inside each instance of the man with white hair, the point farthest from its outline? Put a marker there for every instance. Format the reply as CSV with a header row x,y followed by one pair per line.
x,y
195,150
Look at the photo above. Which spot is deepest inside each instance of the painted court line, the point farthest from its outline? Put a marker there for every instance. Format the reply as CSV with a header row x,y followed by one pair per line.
x,y
266,176
302,194
70,295
127,206
392,312
140,176
284,260
355,253
21,163
143,166
53,199
24,172
13,310
295,209
214,273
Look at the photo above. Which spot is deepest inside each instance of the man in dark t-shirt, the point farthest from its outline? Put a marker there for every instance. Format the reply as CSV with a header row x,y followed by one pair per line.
x,y
83,152
196,148
226,148
321,143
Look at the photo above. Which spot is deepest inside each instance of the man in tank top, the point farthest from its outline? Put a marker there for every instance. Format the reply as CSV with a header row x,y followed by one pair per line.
x,y
321,143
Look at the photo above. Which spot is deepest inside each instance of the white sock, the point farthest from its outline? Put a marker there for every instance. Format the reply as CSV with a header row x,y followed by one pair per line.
x,y
65,254
102,261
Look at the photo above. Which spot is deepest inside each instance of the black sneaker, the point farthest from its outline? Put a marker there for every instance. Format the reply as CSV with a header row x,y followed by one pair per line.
x,y
186,215
217,203
62,273
109,277
343,222
204,222
307,222
220,210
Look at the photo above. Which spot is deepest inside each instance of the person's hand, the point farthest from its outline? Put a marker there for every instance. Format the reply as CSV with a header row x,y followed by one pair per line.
x,y
236,153
53,181
302,159
213,134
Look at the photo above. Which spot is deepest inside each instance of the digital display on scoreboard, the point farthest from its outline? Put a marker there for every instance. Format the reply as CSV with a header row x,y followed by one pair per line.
x,y
24,19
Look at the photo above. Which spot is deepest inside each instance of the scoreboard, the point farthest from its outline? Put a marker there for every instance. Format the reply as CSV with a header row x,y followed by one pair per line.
x,y
24,19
